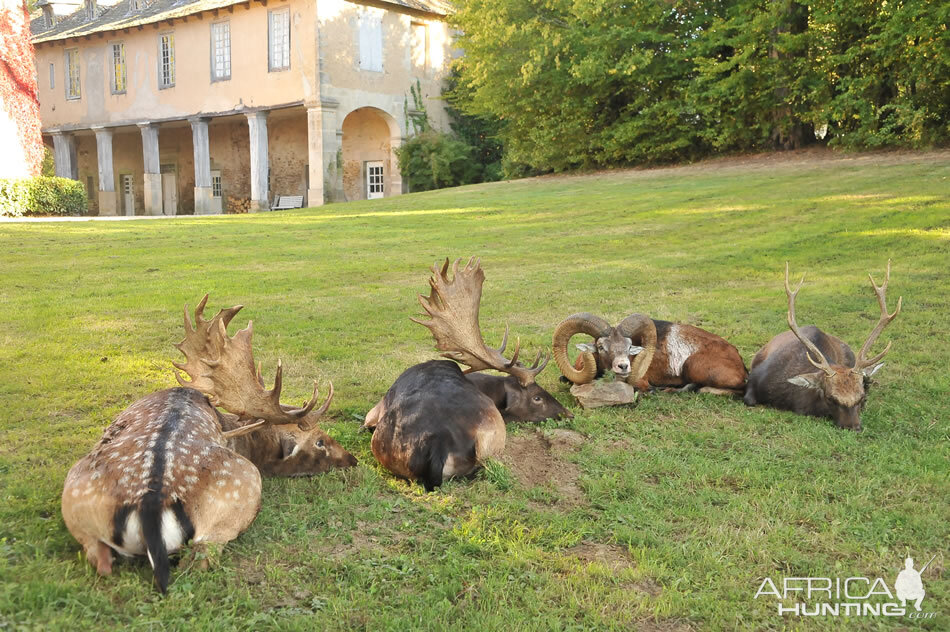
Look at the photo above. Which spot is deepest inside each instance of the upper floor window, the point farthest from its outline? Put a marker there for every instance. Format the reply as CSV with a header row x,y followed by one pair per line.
x,y
72,73
420,45
119,75
166,60
52,76
278,39
371,41
220,51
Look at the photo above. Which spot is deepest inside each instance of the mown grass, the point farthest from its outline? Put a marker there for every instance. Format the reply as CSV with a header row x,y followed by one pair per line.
x,y
694,498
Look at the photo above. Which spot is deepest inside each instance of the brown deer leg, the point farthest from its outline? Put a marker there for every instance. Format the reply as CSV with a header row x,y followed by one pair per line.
x,y
100,555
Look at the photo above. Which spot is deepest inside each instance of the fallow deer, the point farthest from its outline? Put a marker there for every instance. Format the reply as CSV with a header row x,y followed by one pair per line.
x,y
436,422
646,352
172,468
781,374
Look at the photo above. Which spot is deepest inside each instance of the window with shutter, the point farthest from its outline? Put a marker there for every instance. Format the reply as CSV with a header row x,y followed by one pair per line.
x,y
371,42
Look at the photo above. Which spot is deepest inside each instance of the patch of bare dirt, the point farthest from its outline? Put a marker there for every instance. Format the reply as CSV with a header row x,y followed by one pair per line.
x,y
534,458
615,559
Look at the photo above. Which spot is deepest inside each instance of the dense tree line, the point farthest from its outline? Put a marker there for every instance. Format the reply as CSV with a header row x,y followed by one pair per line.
x,y
589,83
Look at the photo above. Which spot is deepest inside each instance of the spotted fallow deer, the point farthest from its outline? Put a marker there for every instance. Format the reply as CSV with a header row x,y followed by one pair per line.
x,y
436,422
646,352
173,468
781,374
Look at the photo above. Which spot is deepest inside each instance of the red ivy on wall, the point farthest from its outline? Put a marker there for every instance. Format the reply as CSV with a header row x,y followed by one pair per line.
x,y
18,91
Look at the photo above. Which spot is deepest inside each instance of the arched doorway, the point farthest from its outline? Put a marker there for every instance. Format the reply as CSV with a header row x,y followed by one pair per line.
x,y
370,169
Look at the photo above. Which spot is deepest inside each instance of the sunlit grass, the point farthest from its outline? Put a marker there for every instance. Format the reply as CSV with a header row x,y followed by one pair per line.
x,y
695,498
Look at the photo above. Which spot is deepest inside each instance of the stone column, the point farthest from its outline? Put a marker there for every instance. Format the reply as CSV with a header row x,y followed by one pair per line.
x,y
257,126
64,155
108,201
323,145
395,176
152,178
203,193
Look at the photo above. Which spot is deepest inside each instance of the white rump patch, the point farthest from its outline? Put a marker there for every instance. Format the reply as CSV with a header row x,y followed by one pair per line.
x,y
172,533
678,350
133,543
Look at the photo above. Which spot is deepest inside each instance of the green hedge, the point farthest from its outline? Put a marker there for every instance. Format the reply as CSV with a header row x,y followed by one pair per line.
x,y
433,160
41,196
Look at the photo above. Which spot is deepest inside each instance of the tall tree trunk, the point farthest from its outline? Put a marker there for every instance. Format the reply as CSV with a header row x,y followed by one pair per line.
x,y
788,131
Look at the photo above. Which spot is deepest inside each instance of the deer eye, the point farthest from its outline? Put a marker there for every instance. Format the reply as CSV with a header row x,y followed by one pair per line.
x,y
320,443
536,399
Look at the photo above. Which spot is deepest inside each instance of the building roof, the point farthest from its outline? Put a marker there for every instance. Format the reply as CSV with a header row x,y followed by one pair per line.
x,y
121,16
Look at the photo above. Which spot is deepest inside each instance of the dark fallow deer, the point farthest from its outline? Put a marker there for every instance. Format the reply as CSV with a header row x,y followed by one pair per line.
x,y
436,422
173,468
650,353
782,374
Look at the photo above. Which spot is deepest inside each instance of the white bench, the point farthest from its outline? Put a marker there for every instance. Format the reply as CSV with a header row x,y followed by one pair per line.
x,y
288,201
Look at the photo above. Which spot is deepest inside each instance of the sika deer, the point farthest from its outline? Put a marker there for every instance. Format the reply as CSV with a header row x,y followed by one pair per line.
x,y
172,468
780,375
434,422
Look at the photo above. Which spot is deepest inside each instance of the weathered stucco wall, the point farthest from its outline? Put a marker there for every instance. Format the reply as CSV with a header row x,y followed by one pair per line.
x,y
250,86
366,137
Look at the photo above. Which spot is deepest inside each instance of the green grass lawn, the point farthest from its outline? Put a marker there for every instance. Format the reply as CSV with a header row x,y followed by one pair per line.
x,y
666,516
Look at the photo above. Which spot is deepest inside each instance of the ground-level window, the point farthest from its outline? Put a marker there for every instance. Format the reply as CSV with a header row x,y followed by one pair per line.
x,y
278,39
374,180
216,184
166,60
72,73
220,51
119,76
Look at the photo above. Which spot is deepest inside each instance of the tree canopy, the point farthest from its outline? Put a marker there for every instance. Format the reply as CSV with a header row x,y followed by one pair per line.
x,y
590,83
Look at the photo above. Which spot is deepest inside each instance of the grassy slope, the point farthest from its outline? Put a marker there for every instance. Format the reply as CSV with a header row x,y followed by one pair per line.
x,y
704,496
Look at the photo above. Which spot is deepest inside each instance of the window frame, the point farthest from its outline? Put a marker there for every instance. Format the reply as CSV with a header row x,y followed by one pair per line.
x,y
214,76
426,64
52,76
271,67
125,69
67,53
162,84
370,25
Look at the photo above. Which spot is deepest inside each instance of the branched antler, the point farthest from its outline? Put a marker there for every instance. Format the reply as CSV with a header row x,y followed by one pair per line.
x,y
222,368
822,362
453,306
862,361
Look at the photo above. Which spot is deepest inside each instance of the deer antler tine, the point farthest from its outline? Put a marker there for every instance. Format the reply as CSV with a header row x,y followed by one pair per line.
x,y
537,359
885,319
326,403
278,382
822,362
514,358
188,328
200,309
504,340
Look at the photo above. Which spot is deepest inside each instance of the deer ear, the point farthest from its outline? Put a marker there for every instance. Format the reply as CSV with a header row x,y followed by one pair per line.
x,y
806,380
871,370
586,346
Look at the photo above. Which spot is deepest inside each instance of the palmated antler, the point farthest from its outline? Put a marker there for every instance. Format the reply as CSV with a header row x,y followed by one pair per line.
x,y
821,363
862,361
453,307
222,368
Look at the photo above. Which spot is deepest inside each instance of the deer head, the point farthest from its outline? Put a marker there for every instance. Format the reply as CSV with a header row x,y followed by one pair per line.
x,y
842,387
453,306
281,440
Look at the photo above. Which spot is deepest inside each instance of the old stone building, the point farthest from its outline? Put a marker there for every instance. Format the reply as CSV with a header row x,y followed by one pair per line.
x,y
173,106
